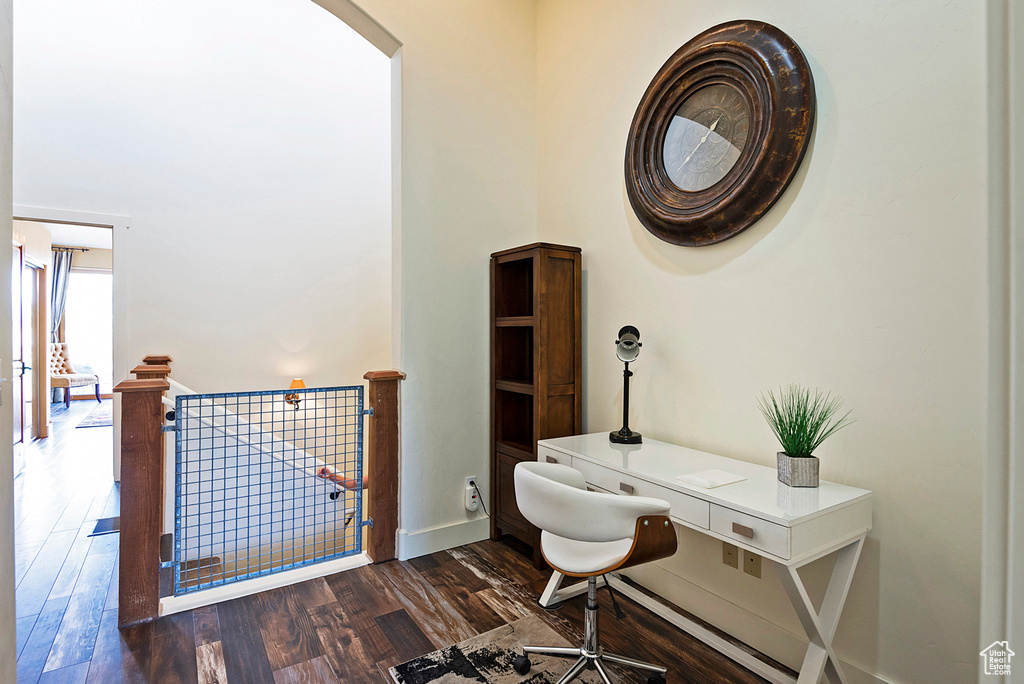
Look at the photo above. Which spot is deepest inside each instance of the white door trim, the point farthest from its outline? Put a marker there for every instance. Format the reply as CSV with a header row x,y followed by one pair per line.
x,y
1015,309
1002,562
119,225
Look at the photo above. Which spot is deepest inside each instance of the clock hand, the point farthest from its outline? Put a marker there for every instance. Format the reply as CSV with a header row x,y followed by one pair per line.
x,y
702,141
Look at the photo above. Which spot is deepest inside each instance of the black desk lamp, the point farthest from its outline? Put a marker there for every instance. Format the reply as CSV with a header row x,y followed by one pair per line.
x,y
627,348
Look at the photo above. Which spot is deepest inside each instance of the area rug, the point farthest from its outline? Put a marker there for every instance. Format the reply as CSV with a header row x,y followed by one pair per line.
x,y
101,416
488,657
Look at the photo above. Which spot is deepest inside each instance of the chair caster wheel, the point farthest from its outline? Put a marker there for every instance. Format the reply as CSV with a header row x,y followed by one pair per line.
x,y
521,665
656,679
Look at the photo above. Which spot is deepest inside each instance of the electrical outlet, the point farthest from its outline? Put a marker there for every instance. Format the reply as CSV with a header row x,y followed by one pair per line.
x,y
472,498
730,555
752,564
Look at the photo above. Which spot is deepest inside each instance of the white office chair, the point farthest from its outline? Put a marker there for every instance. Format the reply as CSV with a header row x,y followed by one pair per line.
x,y
586,534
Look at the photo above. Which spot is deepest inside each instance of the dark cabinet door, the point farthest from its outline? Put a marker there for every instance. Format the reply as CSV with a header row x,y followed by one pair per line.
x,y
507,508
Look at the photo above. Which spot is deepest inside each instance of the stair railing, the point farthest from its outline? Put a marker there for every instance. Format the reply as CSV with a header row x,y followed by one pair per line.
x,y
143,468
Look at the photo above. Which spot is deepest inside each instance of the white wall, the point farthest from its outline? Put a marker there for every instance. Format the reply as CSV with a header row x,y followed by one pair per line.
x,y
95,259
35,239
250,144
8,655
868,279
881,236
468,188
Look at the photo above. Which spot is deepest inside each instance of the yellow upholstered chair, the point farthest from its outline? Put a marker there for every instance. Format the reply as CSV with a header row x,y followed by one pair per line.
x,y
63,374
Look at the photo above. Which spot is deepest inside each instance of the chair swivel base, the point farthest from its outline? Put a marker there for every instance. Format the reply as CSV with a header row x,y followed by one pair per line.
x,y
590,655
588,660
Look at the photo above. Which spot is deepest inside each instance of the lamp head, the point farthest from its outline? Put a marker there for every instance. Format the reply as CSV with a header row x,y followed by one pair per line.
x,y
627,347
293,398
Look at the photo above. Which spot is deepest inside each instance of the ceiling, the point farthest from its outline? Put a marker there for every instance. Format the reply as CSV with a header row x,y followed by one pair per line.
x,y
67,235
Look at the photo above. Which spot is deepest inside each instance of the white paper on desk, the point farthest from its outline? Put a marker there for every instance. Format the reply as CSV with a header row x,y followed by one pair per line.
x,y
709,479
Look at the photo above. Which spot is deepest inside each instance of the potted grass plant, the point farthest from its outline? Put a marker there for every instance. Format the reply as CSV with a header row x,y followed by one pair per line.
x,y
801,420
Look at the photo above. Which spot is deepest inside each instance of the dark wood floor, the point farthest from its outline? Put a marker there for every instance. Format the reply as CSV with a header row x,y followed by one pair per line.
x,y
62,575
348,627
353,626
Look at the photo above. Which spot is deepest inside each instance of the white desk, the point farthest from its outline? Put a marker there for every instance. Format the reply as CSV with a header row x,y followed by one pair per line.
x,y
787,525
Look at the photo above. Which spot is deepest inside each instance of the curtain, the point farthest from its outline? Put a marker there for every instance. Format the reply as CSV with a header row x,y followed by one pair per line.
x,y
58,297
59,287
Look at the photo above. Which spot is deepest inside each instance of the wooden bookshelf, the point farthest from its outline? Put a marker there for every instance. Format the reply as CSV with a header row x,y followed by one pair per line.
x,y
536,367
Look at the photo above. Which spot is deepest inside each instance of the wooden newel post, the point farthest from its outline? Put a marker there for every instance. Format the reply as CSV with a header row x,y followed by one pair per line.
x,y
382,461
153,367
142,467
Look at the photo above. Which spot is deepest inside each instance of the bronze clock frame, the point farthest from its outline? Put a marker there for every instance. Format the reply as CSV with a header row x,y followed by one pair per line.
x,y
768,69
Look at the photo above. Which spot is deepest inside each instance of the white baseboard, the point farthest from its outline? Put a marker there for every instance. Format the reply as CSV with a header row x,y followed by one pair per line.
x,y
433,539
169,605
754,630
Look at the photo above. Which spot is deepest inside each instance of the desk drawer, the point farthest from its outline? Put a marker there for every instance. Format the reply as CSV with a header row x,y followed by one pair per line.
x,y
546,455
747,529
596,475
686,508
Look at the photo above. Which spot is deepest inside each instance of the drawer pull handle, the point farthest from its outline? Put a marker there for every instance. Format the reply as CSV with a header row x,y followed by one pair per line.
x,y
626,488
743,530
551,459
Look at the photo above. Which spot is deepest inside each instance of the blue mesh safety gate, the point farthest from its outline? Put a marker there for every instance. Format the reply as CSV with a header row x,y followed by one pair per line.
x,y
265,482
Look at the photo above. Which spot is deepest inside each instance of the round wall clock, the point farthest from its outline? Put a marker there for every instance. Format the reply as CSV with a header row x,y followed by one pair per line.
x,y
719,134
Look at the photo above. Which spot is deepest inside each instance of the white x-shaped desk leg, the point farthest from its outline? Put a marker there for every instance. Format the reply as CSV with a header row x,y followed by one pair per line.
x,y
821,626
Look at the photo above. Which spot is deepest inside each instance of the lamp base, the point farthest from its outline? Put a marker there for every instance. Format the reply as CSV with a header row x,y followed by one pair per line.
x,y
625,436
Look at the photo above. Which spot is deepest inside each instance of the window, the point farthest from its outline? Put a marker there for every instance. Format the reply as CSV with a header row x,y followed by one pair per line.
x,y
88,326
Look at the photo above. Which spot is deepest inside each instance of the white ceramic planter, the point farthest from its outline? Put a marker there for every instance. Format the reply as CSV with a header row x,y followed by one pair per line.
x,y
798,472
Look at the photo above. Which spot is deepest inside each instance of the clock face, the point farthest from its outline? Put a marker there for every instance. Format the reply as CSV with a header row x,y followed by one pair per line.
x,y
705,137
